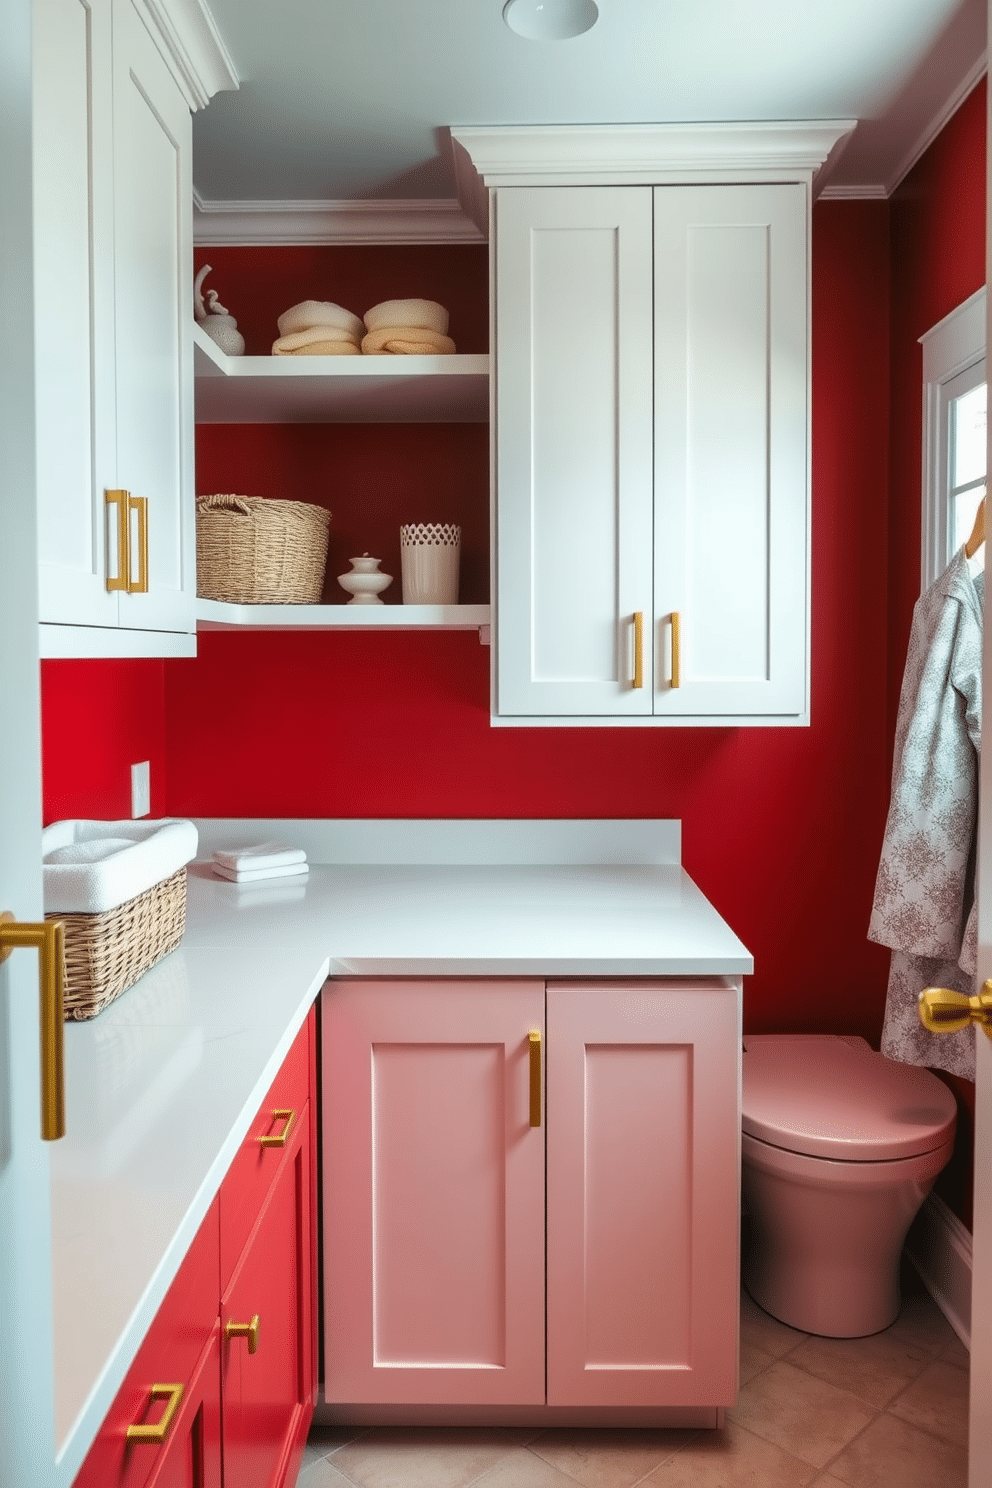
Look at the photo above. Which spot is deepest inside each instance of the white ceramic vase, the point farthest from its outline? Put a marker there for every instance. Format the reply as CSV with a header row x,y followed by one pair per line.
x,y
365,583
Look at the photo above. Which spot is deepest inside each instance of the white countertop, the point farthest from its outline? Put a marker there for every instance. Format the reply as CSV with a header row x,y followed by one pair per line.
x,y
162,1086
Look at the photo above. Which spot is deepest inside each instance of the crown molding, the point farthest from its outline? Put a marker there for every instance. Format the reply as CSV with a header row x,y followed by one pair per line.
x,y
632,154
867,192
260,223
187,36
950,107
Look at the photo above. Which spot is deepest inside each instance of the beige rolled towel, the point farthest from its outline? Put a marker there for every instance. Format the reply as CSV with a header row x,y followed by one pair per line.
x,y
406,341
315,335
319,313
425,315
326,348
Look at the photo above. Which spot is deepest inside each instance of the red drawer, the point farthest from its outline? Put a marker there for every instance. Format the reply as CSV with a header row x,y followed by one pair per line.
x,y
169,1355
264,1150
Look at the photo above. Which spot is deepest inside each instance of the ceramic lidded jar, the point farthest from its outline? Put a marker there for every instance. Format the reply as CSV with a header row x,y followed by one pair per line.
x,y
365,583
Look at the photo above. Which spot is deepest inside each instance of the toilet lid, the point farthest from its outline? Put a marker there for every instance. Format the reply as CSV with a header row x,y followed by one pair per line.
x,y
822,1097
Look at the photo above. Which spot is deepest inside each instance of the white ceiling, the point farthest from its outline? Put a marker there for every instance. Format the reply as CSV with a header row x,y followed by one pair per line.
x,y
347,101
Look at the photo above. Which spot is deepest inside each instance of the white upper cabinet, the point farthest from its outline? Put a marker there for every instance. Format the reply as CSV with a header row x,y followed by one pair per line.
x,y
651,432
113,349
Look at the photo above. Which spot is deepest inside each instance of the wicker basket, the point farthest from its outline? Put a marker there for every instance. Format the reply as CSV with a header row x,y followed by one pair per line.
x,y
253,550
107,953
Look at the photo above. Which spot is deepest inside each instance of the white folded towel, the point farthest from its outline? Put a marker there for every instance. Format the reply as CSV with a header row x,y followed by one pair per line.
x,y
89,867
426,314
252,875
262,855
296,341
310,313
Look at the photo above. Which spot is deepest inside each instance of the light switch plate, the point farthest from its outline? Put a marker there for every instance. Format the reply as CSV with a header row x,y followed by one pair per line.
x,y
141,788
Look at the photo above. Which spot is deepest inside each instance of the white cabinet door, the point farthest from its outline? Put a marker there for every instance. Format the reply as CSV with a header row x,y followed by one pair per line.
x,y
643,1193
74,306
433,1194
113,262
731,485
573,449
153,206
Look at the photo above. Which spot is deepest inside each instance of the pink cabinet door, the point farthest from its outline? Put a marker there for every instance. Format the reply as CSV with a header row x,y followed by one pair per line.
x,y
643,1193
433,1194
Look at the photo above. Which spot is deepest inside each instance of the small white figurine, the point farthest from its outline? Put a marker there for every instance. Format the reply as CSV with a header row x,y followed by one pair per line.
x,y
365,581
221,327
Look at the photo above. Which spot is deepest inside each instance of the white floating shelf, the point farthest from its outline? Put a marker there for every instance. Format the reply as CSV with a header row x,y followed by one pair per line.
x,y
212,614
338,390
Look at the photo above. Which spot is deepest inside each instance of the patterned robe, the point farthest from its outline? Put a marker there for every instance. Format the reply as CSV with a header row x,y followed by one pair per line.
x,y
924,906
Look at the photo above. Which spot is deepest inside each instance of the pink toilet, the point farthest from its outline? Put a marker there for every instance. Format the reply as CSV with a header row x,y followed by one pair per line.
x,y
840,1146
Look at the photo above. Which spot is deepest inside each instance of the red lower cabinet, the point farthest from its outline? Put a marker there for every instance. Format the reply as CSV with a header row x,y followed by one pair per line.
x,y
222,1390
267,1328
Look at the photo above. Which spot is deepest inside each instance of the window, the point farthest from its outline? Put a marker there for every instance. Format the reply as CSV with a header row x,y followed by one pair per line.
x,y
954,434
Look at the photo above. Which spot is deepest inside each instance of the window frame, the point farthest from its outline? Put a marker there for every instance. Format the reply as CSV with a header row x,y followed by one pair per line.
x,y
953,346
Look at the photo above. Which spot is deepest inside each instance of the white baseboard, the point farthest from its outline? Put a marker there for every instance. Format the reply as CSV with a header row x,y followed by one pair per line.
x,y
939,1247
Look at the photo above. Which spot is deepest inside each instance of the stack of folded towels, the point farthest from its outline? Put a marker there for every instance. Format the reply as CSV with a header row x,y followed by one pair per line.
x,y
266,860
407,328
318,328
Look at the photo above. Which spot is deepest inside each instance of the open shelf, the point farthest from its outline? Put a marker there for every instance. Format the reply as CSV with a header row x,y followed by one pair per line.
x,y
338,390
212,614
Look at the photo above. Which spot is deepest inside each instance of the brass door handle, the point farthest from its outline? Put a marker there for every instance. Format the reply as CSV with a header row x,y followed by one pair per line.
x,y
48,938
676,649
159,1430
279,1139
247,1331
943,1011
121,499
534,1038
138,504
638,649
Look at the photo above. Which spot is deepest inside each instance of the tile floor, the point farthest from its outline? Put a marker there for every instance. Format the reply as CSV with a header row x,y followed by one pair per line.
x,y
884,1412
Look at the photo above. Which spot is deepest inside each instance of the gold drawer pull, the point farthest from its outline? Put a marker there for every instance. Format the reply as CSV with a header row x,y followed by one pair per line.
x,y
157,1433
535,1077
676,649
245,1330
279,1139
48,939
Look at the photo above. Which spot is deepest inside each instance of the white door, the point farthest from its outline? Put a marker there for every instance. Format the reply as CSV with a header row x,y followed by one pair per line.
x,y
27,1395
980,1437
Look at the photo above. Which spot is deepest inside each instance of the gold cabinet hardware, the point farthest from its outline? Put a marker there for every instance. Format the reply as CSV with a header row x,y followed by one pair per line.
x,y
534,1039
48,939
245,1330
138,504
127,504
121,500
942,1011
676,649
279,1139
157,1433
638,649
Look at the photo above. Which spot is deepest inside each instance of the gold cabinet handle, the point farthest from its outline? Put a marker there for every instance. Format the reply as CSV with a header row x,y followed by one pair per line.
x,y
157,1433
120,499
638,649
245,1330
138,504
279,1139
676,649
534,1039
942,1011
48,939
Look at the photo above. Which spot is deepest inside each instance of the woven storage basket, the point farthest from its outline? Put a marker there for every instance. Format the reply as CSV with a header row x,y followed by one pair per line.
x,y
252,550
107,953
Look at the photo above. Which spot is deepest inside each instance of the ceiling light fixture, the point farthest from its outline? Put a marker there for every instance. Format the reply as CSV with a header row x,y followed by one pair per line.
x,y
550,20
